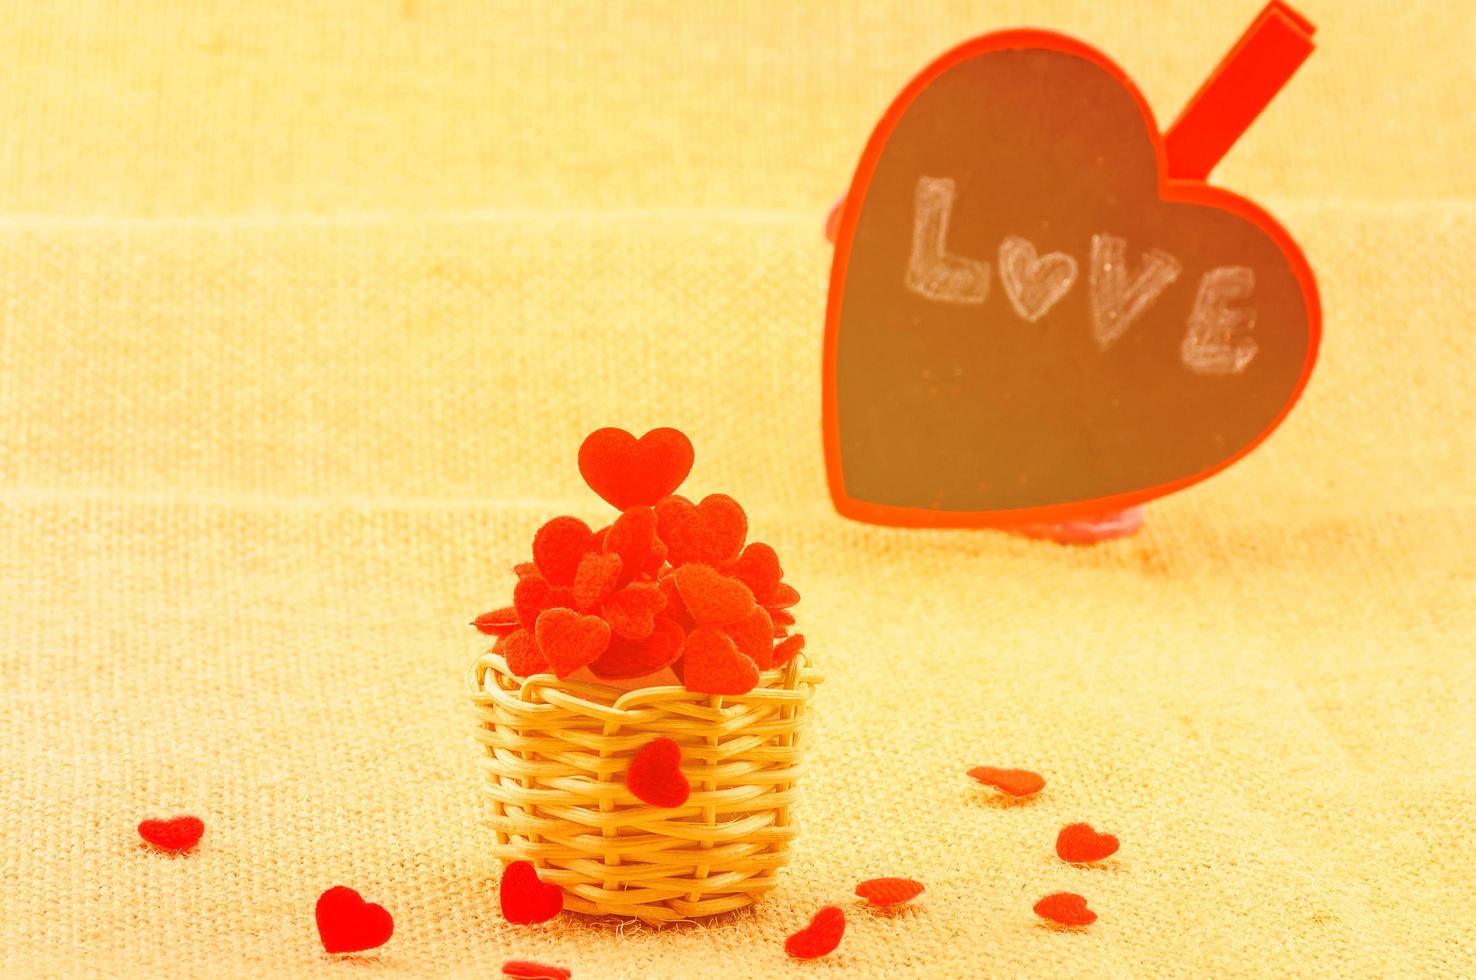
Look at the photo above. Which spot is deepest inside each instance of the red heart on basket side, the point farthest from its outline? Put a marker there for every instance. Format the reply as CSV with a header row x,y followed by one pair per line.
x,y
526,900
630,472
713,599
631,612
1014,782
1078,843
655,774
348,924
710,532
883,892
821,936
559,546
175,835
570,640
712,664
1065,908
626,658
1042,326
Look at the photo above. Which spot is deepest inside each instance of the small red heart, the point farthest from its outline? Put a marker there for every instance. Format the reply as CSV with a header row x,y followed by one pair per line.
x,y
822,935
655,774
175,835
784,596
498,622
754,635
627,658
711,597
631,612
1015,782
569,640
633,537
630,472
781,617
595,578
532,595
521,652
711,532
528,970
559,546
711,664
525,899
889,891
1078,843
348,924
525,569
785,651
1065,908
758,568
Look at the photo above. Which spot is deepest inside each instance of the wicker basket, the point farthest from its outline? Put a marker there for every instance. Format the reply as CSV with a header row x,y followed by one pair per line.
x,y
556,754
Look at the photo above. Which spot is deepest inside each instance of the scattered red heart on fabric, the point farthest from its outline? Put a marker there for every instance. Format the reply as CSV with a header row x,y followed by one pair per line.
x,y
631,612
626,658
595,579
633,537
1015,782
570,640
754,635
1065,908
521,652
787,648
711,597
498,622
175,835
629,472
1078,843
528,970
889,891
526,900
348,924
711,532
559,546
758,568
821,936
712,664
655,774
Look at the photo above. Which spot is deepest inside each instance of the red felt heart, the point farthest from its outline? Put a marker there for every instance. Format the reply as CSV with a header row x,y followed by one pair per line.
x,y
675,607
655,774
754,635
174,835
627,658
498,622
631,612
559,546
633,537
631,472
821,936
525,899
758,568
348,924
1015,782
933,408
570,640
711,597
787,648
1078,843
532,595
595,578
889,891
784,596
521,652
711,532
781,617
711,664
528,970
1065,908
525,569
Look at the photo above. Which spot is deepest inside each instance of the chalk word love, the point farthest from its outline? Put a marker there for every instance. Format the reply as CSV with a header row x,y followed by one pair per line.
x,y
1217,337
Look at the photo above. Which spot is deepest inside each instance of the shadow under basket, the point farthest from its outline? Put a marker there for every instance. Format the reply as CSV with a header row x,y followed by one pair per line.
x,y
556,752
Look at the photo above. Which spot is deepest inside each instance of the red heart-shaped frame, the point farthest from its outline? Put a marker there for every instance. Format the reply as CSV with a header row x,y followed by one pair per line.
x,y
1170,191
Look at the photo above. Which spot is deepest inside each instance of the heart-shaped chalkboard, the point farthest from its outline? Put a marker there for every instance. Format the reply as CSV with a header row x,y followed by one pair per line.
x,y
1028,319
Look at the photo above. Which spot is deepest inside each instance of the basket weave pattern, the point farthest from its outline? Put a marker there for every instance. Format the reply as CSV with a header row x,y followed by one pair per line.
x,y
556,753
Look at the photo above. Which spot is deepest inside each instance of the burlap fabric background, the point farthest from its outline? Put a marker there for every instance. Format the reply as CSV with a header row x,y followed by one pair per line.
x,y
304,309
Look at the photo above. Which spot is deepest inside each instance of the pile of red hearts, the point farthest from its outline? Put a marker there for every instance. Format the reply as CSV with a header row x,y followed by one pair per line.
x,y
668,585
